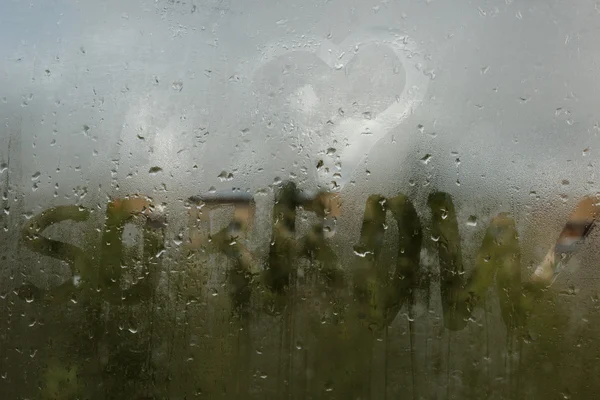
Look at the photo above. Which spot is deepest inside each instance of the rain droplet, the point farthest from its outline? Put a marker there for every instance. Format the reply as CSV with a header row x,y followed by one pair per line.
x,y
426,159
225,176
362,254
472,221
154,170
178,240
177,86
524,100
212,189
35,176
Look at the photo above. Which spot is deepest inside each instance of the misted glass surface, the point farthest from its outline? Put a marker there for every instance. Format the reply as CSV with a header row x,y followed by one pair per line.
x,y
330,199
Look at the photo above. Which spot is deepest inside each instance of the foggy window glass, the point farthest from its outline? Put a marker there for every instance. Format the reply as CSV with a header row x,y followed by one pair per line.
x,y
318,199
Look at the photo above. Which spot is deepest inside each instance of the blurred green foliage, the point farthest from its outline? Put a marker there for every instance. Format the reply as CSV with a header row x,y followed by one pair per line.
x,y
155,333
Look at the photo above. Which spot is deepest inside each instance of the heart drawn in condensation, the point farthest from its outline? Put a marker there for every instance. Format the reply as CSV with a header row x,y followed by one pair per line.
x,y
337,139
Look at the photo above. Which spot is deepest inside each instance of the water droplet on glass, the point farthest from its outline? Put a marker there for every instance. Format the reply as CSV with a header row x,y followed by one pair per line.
x,y
564,197
35,176
154,170
177,86
225,176
472,221
212,189
362,254
435,238
426,159
178,240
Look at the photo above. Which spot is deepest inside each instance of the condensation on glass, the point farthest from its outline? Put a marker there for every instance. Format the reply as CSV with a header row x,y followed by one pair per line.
x,y
299,199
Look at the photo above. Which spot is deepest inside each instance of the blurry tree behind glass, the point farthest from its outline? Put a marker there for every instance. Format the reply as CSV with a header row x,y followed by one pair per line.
x,y
322,199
